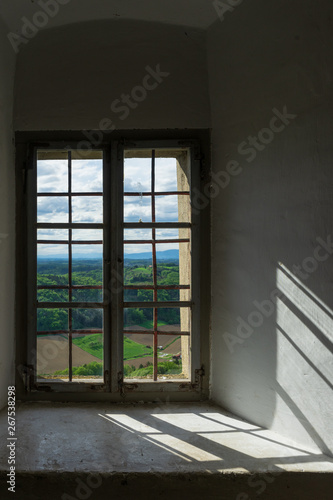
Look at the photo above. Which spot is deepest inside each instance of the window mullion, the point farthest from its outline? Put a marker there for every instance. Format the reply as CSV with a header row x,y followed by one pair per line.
x,y
155,310
70,272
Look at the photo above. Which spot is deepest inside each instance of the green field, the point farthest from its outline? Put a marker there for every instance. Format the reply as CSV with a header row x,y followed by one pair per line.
x,y
134,350
94,346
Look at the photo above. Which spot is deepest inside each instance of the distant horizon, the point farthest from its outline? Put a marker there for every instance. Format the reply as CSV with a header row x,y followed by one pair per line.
x,y
163,255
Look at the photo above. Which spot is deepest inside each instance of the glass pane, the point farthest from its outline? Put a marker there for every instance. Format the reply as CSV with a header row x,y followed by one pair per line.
x,y
137,234
137,251
168,295
52,265
52,320
172,234
87,295
137,209
138,295
174,350
52,209
52,295
87,319
52,251
169,363
137,256
174,265
87,209
138,268
173,208
169,319
87,270
87,356
91,254
165,174
52,172
137,319
87,234
138,355
87,175
52,357
52,234
167,252
168,272
137,174
174,319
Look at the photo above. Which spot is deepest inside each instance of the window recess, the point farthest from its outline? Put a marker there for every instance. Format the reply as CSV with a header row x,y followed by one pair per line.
x,y
113,268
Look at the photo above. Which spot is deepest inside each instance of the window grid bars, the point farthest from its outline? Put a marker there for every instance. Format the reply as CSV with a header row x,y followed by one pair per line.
x,y
155,305
154,242
70,287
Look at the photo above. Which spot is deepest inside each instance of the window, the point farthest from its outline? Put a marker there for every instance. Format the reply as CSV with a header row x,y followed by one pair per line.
x,y
157,262
113,281
69,252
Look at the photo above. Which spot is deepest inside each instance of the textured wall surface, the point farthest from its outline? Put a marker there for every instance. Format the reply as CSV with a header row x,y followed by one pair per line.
x,y
7,217
271,100
271,69
68,78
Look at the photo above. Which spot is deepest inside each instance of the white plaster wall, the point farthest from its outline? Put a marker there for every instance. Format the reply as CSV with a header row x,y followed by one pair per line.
x,y
267,55
7,216
263,56
68,77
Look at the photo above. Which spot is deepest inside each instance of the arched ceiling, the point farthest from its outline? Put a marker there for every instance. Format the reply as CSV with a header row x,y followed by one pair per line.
x,y
193,13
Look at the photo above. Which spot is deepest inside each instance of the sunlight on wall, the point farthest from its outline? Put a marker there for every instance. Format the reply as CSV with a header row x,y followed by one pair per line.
x,y
305,361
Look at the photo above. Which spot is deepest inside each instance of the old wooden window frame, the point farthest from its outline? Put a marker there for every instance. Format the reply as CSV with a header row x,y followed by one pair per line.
x,y
113,382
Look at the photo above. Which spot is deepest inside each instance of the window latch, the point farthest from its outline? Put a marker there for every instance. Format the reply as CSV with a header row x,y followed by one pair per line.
x,y
26,372
199,374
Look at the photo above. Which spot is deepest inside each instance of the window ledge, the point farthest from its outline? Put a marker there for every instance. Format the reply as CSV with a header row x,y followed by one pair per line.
x,y
135,438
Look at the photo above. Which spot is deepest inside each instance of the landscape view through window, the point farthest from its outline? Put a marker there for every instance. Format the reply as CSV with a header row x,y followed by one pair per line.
x,y
70,260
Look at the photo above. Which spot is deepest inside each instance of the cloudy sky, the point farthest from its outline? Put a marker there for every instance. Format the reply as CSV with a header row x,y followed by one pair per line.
x,y
87,176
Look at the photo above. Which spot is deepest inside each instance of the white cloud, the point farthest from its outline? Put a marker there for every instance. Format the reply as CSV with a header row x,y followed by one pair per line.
x,y
87,209
87,176
52,250
87,234
52,176
137,174
52,209
136,208
137,234
166,208
52,234
166,174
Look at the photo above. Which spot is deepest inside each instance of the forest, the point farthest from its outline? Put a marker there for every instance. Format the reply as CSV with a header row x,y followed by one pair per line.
x,y
89,272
